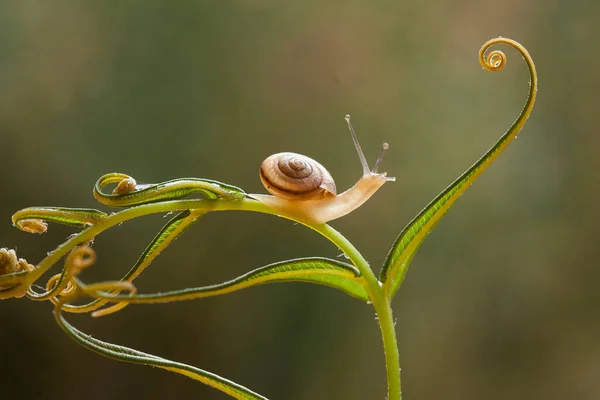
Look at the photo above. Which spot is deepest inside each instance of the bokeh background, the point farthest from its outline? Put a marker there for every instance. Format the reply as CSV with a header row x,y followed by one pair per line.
x,y
502,300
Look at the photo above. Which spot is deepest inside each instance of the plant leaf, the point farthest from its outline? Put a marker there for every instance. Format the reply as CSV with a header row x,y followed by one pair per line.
x,y
169,190
127,354
78,217
171,231
410,239
324,271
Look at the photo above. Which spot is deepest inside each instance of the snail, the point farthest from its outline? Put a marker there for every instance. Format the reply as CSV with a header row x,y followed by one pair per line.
x,y
303,189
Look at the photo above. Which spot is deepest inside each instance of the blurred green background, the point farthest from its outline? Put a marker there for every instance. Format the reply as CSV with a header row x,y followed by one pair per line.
x,y
502,300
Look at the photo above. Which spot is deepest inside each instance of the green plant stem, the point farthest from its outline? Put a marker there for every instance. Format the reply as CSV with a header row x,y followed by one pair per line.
x,y
387,326
379,300
382,306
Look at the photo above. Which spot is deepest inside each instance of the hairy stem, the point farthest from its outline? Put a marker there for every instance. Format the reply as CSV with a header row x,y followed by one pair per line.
x,y
382,306
387,326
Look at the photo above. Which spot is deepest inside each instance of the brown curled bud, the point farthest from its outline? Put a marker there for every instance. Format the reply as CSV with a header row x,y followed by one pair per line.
x,y
9,264
23,265
125,186
8,261
32,225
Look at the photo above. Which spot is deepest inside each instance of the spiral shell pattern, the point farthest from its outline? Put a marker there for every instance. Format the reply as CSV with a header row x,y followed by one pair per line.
x,y
296,177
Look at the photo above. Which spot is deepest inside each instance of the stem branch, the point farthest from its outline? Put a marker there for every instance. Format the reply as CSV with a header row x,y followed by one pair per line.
x,y
377,295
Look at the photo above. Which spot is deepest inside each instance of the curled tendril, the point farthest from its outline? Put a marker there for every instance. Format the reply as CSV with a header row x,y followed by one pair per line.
x,y
80,258
63,284
32,225
108,287
495,60
101,290
65,287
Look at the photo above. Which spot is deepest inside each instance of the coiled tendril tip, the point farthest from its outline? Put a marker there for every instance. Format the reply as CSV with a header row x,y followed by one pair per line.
x,y
496,60
80,258
32,225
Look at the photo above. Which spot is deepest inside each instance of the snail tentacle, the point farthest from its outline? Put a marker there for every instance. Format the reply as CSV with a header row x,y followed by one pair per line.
x,y
361,156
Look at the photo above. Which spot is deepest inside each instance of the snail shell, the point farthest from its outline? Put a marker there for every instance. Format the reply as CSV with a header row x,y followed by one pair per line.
x,y
293,176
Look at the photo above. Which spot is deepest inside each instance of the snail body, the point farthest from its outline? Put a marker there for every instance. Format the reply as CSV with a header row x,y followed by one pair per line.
x,y
303,189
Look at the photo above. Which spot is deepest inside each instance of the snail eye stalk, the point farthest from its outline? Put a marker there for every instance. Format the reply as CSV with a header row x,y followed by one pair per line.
x,y
361,155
